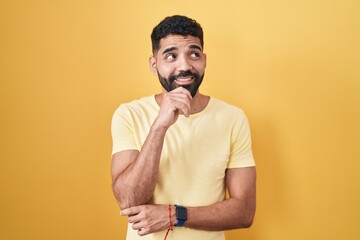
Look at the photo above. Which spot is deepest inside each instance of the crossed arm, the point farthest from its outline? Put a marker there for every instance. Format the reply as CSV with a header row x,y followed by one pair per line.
x,y
134,184
236,212
135,173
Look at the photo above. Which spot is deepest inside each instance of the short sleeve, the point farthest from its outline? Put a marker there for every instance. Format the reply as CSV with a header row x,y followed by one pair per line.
x,y
122,130
240,150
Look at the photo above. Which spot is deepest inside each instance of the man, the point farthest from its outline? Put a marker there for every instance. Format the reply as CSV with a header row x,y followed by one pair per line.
x,y
176,153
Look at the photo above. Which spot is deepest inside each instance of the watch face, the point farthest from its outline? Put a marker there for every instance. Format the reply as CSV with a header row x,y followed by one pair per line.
x,y
181,213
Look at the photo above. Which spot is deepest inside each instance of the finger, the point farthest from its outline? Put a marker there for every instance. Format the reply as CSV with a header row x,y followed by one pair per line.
x,y
178,95
182,91
179,98
134,218
130,211
176,106
143,231
139,225
180,103
183,108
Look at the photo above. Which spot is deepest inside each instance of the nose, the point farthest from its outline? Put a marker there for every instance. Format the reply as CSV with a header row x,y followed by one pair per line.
x,y
184,64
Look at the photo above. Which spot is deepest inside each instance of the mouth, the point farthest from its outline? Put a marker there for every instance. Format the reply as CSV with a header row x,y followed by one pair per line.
x,y
184,80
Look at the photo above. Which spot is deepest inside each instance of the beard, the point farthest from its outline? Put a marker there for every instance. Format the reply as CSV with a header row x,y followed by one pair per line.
x,y
169,83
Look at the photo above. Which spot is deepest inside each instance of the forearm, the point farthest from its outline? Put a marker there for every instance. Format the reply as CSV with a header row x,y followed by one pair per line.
x,y
229,214
135,185
135,173
236,212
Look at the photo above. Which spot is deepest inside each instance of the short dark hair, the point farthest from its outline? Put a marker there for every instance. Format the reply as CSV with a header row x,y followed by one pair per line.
x,y
177,25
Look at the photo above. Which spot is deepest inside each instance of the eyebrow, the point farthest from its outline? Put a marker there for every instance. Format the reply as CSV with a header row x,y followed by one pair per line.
x,y
195,47
169,50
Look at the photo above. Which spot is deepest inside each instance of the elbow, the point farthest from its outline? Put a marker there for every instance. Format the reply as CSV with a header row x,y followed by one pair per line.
x,y
122,197
247,223
246,216
129,197
244,222
126,203
125,200
128,200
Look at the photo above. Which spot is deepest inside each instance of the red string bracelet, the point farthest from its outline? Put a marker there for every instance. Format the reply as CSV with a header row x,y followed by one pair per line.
x,y
170,224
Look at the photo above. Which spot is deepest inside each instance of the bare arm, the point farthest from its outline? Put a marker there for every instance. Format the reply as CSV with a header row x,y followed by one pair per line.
x,y
236,212
134,173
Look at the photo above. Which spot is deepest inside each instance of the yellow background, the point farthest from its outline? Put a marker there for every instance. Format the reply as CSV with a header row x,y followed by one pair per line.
x,y
293,66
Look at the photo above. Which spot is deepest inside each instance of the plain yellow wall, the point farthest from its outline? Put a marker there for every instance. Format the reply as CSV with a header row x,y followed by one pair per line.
x,y
293,66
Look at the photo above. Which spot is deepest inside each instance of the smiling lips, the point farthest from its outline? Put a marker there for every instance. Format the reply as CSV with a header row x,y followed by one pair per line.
x,y
184,80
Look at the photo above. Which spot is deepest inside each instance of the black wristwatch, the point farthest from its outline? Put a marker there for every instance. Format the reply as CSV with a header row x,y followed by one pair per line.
x,y
181,215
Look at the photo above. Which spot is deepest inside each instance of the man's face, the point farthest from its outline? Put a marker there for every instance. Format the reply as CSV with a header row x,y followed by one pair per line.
x,y
180,61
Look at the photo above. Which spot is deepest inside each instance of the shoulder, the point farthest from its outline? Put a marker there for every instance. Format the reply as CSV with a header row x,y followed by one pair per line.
x,y
144,104
220,106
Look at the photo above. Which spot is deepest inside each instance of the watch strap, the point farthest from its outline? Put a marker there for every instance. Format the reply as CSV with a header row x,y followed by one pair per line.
x,y
180,223
181,215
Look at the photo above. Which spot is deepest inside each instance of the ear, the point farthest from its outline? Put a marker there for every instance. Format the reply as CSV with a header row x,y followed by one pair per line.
x,y
152,65
205,57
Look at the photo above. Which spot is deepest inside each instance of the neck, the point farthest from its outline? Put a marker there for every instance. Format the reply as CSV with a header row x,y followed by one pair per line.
x,y
198,103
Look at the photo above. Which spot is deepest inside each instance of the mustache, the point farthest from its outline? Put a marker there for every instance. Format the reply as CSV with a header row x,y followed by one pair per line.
x,y
188,73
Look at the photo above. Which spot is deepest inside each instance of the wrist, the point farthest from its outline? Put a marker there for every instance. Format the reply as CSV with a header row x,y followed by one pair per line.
x,y
181,215
158,128
173,215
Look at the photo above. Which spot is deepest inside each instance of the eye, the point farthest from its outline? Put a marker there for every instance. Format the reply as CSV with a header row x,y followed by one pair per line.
x,y
195,54
170,57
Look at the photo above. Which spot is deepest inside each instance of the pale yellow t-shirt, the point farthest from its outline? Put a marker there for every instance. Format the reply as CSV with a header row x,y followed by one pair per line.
x,y
197,150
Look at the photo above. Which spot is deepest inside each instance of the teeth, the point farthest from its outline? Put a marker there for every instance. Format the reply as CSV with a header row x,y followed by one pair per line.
x,y
184,79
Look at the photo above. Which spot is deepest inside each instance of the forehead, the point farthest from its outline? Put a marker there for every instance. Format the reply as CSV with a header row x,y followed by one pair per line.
x,y
178,41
